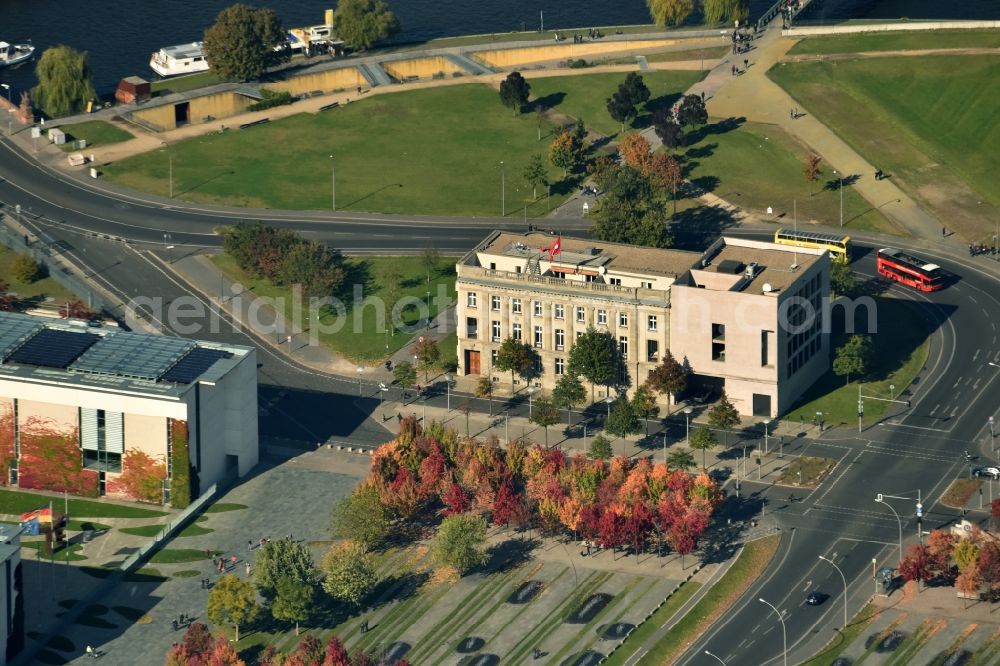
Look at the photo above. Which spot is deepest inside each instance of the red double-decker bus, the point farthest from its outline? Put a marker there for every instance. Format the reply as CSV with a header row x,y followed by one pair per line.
x,y
909,270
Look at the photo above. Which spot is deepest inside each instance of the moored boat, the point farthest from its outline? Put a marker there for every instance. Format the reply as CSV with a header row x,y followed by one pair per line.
x,y
179,59
13,54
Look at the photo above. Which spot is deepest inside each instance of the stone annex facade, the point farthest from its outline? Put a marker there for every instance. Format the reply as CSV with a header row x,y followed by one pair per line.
x,y
718,311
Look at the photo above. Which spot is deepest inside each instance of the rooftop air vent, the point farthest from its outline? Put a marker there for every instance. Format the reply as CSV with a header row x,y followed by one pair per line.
x,y
730,266
751,271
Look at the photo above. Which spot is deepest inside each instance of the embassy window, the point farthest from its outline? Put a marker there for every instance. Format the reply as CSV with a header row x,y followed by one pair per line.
x,y
515,305
538,336
495,326
471,299
559,311
495,303
646,285
651,319
560,339
623,345
581,315
560,366
615,281
516,332
538,308
602,317
623,319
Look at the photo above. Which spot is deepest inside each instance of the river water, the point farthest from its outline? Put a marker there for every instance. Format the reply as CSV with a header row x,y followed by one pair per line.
x,y
120,35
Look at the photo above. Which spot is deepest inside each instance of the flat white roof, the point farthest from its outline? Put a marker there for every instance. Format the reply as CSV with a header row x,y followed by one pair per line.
x,y
183,51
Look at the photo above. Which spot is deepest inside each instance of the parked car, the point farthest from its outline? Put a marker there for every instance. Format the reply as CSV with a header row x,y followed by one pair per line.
x,y
993,472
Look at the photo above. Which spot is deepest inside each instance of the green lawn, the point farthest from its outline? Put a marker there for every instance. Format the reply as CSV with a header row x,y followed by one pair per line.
x,y
898,41
35,292
647,629
184,83
434,151
177,556
81,525
96,132
520,36
585,96
152,530
223,507
361,338
812,471
15,502
755,166
708,53
900,353
925,121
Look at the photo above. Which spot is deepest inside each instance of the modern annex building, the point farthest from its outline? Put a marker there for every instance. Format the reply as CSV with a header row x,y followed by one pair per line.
x,y
100,411
720,311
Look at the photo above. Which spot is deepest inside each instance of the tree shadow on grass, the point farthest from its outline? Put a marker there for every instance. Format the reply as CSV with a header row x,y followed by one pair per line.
x,y
550,101
372,193
702,185
833,184
698,135
509,555
228,172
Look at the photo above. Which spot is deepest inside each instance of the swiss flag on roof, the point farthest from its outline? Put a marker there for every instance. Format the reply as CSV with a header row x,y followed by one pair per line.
x,y
555,248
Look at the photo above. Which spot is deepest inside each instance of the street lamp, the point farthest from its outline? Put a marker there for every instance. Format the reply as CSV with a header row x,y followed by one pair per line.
x,y
360,371
766,422
608,402
898,522
503,192
382,390
687,424
531,390
845,585
840,179
784,638
448,379
716,657
333,184
170,161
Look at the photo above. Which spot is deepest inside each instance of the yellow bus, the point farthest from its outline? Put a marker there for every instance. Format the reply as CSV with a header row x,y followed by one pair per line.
x,y
838,246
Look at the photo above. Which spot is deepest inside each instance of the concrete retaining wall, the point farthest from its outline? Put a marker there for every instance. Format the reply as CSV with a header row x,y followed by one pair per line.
x,y
853,28
421,68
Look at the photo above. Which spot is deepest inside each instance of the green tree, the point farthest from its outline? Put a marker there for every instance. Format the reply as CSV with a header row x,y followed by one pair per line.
x,y
703,439
364,23
232,601
567,393
544,413
644,405
854,357
725,11
595,357
428,354
293,601
405,374
282,558
349,573
667,378
600,448
536,174
565,152
514,92
314,266
631,211
723,414
621,108
668,129
65,83
669,12
680,459
459,542
430,257
843,280
634,89
484,389
623,421
361,518
692,111
579,132
516,358
25,269
240,44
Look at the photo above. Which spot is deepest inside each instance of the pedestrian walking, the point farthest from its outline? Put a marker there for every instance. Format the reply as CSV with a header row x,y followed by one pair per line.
x,y
746,63
249,545
248,569
261,542
944,232
702,96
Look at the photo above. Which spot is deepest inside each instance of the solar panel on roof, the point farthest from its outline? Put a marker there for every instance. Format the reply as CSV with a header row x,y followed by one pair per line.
x,y
14,330
133,355
53,348
192,366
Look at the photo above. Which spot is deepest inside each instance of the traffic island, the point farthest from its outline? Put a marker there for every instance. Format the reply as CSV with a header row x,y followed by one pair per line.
x,y
958,493
805,472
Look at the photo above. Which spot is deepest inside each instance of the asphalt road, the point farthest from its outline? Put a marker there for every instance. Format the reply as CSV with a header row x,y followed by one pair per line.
x,y
913,450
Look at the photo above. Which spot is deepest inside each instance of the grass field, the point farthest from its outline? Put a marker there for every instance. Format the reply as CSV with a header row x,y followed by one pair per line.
x,y
812,471
96,133
184,83
35,292
433,151
755,166
959,492
897,41
923,120
586,96
178,555
708,53
361,337
900,353
15,502
754,559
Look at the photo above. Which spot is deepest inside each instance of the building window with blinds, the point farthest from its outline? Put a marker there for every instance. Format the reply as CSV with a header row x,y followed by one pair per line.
x,y
102,438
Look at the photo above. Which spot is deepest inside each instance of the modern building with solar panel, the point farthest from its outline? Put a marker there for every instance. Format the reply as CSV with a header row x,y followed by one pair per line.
x,y
98,411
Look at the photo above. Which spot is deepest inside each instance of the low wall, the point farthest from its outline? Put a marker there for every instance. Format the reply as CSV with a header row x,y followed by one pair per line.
x,y
342,78
502,58
856,28
421,68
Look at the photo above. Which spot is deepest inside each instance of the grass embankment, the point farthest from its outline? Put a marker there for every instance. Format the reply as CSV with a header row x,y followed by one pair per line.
x,y
900,352
897,41
178,555
361,338
751,562
184,83
32,293
757,166
95,132
14,502
958,493
859,623
923,120
152,530
521,36
709,54
648,629
812,470
225,507
586,96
